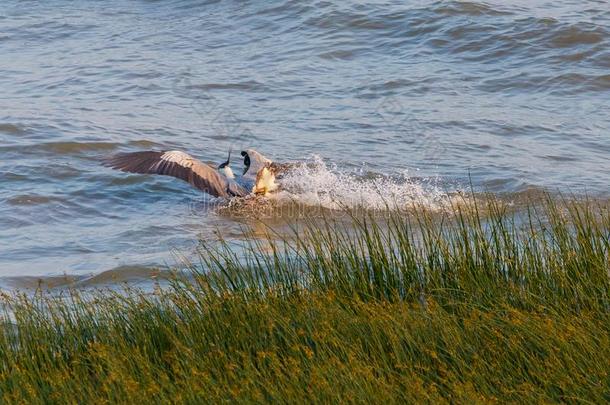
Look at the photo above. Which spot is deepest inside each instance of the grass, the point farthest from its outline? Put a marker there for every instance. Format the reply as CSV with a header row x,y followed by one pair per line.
x,y
477,305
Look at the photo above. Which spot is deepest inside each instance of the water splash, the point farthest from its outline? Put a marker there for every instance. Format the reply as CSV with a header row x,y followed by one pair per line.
x,y
317,183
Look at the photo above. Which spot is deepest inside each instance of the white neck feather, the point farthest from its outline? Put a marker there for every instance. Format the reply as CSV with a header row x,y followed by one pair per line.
x,y
228,172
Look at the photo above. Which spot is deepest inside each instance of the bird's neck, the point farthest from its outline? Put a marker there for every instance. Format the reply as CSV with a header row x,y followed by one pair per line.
x,y
228,172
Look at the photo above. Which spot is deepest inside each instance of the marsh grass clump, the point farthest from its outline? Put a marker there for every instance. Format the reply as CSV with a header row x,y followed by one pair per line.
x,y
483,303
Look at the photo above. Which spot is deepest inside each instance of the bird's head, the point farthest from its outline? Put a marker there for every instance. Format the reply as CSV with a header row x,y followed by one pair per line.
x,y
253,161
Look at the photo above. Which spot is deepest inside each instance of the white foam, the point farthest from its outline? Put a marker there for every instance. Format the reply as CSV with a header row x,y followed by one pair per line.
x,y
317,183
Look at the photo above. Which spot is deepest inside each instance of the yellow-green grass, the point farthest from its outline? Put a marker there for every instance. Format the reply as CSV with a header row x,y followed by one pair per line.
x,y
476,305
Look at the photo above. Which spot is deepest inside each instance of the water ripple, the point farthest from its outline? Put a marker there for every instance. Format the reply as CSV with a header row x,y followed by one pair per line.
x,y
511,95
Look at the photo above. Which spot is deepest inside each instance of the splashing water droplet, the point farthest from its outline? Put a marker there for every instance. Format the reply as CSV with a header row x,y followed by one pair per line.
x,y
317,183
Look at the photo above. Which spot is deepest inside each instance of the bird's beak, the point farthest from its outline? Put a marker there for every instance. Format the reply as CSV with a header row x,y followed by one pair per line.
x,y
229,158
227,163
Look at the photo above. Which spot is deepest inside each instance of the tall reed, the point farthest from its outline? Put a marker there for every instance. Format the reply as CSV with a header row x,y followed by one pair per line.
x,y
482,303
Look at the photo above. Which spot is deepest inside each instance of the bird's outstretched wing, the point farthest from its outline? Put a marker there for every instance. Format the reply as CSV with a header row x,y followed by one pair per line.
x,y
180,165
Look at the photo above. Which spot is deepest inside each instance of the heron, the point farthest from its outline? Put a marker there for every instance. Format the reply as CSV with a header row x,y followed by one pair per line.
x,y
259,176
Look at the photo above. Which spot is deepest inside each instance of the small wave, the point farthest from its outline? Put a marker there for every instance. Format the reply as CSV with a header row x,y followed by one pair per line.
x,y
50,31
341,54
118,276
250,85
576,35
12,176
569,83
470,9
122,275
12,129
32,199
33,282
59,148
77,147
144,143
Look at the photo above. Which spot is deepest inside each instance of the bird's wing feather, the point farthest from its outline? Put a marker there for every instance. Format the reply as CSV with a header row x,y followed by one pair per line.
x,y
180,165
280,169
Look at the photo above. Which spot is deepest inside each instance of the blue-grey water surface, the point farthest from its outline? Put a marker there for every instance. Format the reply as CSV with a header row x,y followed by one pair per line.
x,y
509,95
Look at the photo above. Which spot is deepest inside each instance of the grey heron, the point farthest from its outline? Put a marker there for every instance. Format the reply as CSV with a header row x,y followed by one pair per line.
x,y
259,174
